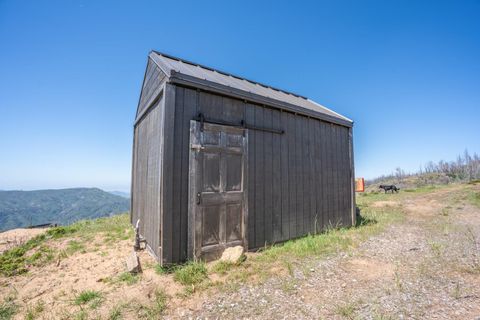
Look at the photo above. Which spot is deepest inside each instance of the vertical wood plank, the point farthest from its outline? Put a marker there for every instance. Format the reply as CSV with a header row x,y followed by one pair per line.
x,y
177,169
268,181
313,175
168,174
328,187
277,178
335,175
284,158
250,119
306,173
259,147
189,112
292,176
319,177
299,174
352,176
345,177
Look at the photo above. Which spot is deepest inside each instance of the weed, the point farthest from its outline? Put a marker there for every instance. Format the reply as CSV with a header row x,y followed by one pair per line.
x,y
398,281
42,256
365,221
81,315
289,286
436,248
346,310
88,297
188,291
14,261
115,313
33,312
74,246
164,269
471,236
191,273
157,308
474,198
222,267
289,266
445,211
62,254
457,292
128,278
59,232
7,309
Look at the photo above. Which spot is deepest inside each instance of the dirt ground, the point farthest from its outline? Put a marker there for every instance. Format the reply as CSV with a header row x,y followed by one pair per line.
x,y
425,267
13,238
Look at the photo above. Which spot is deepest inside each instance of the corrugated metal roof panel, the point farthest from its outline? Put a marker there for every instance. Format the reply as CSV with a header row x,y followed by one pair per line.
x,y
225,79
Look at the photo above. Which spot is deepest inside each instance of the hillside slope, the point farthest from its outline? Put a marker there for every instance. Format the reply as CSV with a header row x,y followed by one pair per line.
x,y
413,255
63,206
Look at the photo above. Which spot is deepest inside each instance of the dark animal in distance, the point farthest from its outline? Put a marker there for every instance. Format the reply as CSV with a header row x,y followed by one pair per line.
x,y
391,187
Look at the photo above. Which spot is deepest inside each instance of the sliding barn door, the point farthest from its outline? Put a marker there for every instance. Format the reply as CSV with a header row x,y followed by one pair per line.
x,y
217,195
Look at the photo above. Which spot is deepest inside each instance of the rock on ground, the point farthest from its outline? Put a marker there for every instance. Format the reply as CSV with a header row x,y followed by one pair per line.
x,y
232,254
133,263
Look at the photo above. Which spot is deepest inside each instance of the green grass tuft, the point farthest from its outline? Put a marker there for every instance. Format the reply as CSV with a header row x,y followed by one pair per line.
x,y
16,261
7,310
165,269
115,314
59,232
346,311
191,273
157,308
88,296
74,246
128,278
474,198
222,267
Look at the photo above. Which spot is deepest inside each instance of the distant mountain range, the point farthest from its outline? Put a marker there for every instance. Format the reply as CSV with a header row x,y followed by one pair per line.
x,y
63,206
121,194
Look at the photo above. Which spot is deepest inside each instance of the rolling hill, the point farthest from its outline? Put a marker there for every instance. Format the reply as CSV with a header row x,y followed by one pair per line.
x,y
62,206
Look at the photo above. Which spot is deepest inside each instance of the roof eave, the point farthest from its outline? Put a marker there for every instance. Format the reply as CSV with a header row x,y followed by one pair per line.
x,y
186,80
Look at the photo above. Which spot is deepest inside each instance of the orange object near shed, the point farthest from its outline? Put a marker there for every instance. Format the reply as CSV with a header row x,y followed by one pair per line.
x,y
359,185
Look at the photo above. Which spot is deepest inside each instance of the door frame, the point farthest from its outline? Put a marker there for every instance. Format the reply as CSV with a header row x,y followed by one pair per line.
x,y
193,185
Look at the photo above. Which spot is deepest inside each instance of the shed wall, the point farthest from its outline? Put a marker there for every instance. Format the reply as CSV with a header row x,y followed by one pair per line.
x,y
147,159
147,174
299,182
151,86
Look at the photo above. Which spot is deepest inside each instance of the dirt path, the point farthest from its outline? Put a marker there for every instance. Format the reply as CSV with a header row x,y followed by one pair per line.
x,y
424,268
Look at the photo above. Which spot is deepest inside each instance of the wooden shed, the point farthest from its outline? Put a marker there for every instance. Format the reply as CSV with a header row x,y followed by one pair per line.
x,y
219,160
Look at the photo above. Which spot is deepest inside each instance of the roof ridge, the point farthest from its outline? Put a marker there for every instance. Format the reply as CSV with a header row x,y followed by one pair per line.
x,y
226,74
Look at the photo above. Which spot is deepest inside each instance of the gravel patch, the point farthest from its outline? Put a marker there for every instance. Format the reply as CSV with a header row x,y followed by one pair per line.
x,y
424,268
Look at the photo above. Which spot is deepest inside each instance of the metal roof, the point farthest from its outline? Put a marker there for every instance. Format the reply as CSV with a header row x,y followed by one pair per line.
x,y
190,73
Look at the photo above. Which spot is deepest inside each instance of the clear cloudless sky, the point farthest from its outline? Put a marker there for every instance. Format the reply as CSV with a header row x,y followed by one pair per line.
x,y
407,73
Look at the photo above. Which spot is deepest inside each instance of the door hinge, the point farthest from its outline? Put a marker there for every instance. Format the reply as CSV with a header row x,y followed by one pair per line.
x,y
196,147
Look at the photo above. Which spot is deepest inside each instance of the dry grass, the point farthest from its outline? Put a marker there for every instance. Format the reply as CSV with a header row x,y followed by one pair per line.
x,y
100,240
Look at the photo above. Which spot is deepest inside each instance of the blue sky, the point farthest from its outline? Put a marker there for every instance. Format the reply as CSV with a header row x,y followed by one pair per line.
x,y
407,72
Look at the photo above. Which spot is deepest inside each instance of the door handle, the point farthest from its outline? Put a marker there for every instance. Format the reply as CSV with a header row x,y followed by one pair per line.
x,y
198,197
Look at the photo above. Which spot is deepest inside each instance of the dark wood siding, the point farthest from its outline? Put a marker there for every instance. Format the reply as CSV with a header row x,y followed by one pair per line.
x,y
146,176
299,182
146,193
152,85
